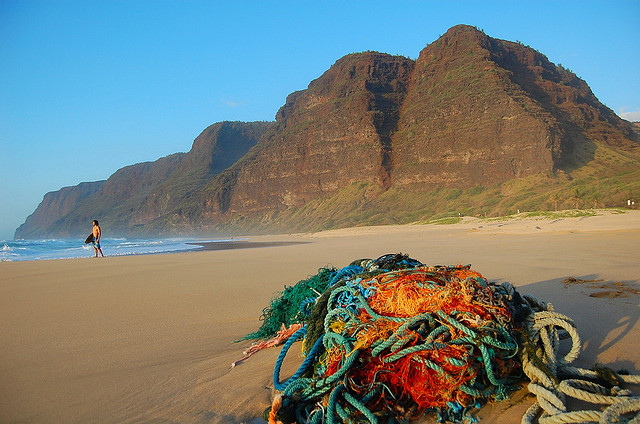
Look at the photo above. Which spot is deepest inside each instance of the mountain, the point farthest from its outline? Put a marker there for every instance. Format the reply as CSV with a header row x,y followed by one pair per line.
x,y
136,194
475,125
54,205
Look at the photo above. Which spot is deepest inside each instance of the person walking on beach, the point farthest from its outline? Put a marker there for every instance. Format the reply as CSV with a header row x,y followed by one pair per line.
x,y
97,234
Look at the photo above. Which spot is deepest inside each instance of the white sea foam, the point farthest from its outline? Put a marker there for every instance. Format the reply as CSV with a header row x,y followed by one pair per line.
x,y
42,249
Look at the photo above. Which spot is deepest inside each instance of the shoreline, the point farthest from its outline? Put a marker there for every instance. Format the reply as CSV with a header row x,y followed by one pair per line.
x,y
591,220
243,244
203,246
150,338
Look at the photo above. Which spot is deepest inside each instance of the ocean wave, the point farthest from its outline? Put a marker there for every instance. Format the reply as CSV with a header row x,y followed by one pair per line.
x,y
45,249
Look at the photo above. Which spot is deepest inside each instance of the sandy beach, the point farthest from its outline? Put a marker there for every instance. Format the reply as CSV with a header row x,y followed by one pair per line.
x,y
149,339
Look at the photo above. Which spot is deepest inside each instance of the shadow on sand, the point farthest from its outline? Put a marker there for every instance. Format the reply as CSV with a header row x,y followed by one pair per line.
x,y
605,313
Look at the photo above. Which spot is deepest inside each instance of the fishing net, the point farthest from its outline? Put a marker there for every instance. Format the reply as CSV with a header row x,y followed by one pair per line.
x,y
291,305
391,339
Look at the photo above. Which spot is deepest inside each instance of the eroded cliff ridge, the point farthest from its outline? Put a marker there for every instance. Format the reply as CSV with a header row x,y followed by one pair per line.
x,y
136,195
475,125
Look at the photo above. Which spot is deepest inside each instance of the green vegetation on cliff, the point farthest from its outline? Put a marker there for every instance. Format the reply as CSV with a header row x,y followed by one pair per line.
x,y
475,126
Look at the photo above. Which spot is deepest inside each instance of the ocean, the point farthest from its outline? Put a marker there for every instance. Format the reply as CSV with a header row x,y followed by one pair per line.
x,y
30,250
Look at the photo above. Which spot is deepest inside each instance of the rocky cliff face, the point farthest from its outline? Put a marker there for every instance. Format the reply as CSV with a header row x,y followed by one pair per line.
x,y
482,111
214,150
472,111
55,205
465,122
333,134
138,194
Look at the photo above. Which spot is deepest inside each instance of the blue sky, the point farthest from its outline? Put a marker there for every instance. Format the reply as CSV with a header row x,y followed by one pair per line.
x,y
87,87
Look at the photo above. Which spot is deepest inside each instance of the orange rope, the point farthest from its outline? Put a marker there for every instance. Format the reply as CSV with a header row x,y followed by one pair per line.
x,y
281,337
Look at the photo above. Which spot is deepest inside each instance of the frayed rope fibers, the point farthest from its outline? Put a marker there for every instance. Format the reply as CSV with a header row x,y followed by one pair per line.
x,y
391,339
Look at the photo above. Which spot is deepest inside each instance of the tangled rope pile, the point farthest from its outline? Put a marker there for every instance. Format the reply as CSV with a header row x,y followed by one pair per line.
x,y
392,339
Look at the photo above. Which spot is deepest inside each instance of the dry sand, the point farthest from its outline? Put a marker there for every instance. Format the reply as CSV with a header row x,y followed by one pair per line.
x,y
148,339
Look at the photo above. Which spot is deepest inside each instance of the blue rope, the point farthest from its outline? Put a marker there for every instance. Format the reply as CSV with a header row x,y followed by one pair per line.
x,y
317,347
347,271
346,397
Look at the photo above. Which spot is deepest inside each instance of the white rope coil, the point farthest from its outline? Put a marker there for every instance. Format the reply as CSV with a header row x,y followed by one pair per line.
x,y
543,366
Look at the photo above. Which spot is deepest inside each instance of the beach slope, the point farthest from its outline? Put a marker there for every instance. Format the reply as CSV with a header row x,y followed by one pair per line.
x,y
149,339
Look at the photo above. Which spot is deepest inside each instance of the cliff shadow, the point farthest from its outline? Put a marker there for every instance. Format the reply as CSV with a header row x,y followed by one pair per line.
x,y
385,102
577,150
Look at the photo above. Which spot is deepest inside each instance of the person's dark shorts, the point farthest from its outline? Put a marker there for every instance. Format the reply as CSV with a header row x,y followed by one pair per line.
x,y
96,244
